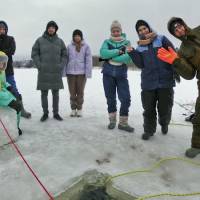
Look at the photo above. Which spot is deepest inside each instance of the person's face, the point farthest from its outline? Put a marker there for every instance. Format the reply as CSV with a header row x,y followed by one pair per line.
x,y
51,30
77,38
116,32
143,30
2,66
2,31
180,31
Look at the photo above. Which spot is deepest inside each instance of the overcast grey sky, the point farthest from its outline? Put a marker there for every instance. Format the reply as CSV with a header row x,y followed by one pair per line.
x,y
27,19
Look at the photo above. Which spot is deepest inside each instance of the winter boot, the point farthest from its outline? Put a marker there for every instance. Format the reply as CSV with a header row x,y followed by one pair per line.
x,y
164,129
189,118
123,124
19,131
24,113
113,120
146,136
44,117
79,113
18,122
192,152
73,113
57,117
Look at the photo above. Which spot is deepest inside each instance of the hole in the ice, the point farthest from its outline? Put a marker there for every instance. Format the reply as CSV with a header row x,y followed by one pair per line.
x,y
93,185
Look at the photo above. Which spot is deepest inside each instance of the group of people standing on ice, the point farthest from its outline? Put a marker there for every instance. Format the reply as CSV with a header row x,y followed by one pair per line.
x,y
155,55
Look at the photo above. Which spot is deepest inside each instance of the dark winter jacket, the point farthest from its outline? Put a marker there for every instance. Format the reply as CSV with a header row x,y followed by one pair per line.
x,y
155,73
7,45
49,55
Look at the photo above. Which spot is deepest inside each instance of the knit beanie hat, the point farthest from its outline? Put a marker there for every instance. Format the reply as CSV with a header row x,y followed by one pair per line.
x,y
173,23
141,23
77,32
115,24
52,24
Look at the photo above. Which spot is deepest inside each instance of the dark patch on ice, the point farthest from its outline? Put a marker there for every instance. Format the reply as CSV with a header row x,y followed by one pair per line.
x,y
133,147
95,194
167,177
105,159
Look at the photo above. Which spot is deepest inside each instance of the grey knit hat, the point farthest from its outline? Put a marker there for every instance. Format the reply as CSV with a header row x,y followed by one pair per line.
x,y
115,24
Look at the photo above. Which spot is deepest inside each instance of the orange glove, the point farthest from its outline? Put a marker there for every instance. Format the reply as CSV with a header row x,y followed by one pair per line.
x,y
167,55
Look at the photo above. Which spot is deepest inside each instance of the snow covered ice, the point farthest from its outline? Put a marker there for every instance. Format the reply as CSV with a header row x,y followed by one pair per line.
x,y
6,116
61,151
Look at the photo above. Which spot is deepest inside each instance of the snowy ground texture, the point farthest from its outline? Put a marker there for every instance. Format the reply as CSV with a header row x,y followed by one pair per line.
x,y
61,151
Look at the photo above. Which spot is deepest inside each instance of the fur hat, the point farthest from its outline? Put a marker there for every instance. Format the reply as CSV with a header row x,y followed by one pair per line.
x,y
115,24
141,22
173,22
52,24
77,32
3,59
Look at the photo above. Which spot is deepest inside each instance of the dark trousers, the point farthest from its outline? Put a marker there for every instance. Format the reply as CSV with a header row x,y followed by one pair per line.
x,y
76,85
162,99
44,100
11,80
119,85
15,105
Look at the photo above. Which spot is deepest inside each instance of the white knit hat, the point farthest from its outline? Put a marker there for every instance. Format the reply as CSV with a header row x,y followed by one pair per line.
x,y
115,24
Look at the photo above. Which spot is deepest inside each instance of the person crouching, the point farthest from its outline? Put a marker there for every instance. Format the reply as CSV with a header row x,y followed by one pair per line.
x,y
7,98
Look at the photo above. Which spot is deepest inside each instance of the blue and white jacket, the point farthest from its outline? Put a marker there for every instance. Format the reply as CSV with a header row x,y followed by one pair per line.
x,y
155,73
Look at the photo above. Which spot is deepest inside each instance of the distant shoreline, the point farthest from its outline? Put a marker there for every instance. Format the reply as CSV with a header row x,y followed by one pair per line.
x,y
28,63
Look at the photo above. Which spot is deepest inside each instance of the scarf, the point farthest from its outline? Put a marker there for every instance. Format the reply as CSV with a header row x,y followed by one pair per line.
x,y
117,39
148,39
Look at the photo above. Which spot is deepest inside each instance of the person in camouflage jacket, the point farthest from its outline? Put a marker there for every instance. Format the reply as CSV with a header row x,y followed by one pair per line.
x,y
187,63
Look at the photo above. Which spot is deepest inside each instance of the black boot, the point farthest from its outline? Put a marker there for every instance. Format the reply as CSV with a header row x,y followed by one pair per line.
x,y
146,136
164,129
44,117
19,131
24,113
58,117
189,118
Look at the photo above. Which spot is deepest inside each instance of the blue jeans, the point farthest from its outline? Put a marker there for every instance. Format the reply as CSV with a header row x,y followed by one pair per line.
x,y
11,80
119,85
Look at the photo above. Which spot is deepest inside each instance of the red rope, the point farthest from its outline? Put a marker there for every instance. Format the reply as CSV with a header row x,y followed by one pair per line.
x,y
22,157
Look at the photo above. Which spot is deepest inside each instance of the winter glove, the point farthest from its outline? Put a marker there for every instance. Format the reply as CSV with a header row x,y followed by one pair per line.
x,y
167,55
122,50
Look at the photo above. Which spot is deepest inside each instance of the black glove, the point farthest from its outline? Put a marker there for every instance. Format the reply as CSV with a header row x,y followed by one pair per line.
x,y
102,59
123,50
